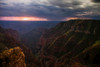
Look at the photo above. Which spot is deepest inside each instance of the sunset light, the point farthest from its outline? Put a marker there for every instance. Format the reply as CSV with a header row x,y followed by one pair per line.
x,y
73,18
23,19
49,33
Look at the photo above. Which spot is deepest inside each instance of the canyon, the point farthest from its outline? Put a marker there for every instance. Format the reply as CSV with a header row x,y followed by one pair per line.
x,y
73,43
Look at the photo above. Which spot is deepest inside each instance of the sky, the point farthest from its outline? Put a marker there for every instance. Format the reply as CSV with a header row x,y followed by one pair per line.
x,y
49,10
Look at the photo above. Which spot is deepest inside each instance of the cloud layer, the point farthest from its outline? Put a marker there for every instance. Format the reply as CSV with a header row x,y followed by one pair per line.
x,y
51,9
96,1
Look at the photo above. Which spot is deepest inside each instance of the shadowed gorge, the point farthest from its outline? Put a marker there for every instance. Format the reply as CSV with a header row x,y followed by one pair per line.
x,y
73,43
49,33
9,40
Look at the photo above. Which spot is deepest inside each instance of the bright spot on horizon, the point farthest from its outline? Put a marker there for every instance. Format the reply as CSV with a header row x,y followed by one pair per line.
x,y
23,19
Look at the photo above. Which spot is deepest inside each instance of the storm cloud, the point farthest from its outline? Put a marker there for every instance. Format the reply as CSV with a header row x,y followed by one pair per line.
x,y
51,9
96,1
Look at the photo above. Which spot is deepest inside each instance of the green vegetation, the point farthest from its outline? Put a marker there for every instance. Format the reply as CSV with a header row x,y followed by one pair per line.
x,y
97,43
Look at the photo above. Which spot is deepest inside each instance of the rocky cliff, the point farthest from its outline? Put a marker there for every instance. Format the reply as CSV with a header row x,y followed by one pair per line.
x,y
74,43
32,38
13,34
9,38
13,57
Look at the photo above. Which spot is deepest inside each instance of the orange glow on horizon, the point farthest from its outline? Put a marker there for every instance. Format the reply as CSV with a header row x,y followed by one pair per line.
x,y
23,19
73,18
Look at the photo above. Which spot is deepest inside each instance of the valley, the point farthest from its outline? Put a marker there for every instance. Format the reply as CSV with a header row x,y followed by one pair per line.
x,y
73,43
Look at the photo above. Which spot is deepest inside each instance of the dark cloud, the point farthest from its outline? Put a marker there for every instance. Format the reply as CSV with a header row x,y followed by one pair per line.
x,y
96,1
76,3
62,3
52,9
3,4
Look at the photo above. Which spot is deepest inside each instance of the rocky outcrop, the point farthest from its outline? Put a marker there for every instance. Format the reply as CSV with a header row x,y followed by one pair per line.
x,y
74,43
64,44
13,57
9,38
13,34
